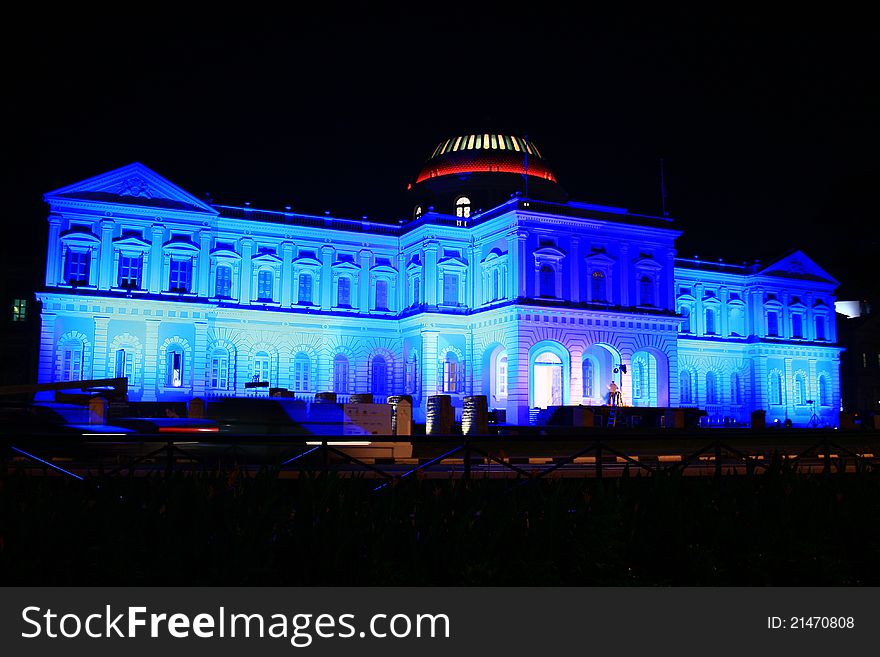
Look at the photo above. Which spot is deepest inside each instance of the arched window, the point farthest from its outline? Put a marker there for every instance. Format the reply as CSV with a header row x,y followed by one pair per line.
x,y
223,281
823,391
638,378
685,313
301,369
646,290
686,393
547,282
463,207
174,367
735,389
343,291
340,374
412,374
800,389
124,363
451,372
710,321
820,327
711,388
219,369
305,288
589,374
598,286
776,388
379,377
496,290
264,284
416,292
382,294
501,376
72,362
262,362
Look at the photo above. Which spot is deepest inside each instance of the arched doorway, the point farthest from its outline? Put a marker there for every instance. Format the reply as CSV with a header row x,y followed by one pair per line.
x,y
547,377
648,375
549,374
598,363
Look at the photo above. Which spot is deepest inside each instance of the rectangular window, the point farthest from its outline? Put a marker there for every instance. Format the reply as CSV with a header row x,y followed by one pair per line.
x,y
76,270
450,289
772,324
19,310
219,372
224,281
124,362
449,376
179,279
264,285
820,328
130,267
175,369
72,364
381,295
343,291
797,326
305,288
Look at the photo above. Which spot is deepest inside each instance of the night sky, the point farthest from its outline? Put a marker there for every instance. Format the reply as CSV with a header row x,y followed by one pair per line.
x,y
768,127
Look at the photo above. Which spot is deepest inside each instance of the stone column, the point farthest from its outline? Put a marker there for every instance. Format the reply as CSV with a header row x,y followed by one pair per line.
x,y
53,258
430,282
624,277
286,273
700,319
326,279
200,358
204,263
668,279
785,320
46,365
158,232
724,319
364,287
99,355
810,328
575,270
247,251
430,384
402,291
106,258
152,367
757,323
475,299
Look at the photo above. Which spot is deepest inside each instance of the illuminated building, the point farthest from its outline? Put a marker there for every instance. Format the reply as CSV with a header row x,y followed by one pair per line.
x,y
489,288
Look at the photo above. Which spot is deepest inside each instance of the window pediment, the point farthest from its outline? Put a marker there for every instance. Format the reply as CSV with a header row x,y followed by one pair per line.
x,y
600,260
452,263
649,264
181,247
69,237
225,254
494,254
344,265
549,253
132,243
383,269
414,266
267,259
306,261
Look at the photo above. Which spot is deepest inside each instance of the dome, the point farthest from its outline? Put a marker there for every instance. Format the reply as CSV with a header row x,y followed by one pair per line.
x,y
486,153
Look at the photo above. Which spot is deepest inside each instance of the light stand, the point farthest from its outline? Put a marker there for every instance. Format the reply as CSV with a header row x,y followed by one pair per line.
x,y
814,419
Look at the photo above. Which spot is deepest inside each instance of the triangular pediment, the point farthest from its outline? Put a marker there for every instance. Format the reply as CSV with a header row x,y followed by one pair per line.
x,y
798,265
132,185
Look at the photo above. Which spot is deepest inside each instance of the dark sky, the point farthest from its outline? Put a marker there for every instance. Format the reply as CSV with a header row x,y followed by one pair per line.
x,y
767,125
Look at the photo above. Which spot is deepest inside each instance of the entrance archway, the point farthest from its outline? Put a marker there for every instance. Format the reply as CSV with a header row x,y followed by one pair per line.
x,y
550,375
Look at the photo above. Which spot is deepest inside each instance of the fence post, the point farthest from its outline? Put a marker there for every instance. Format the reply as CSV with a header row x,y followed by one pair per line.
x,y
717,459
467,459
598,461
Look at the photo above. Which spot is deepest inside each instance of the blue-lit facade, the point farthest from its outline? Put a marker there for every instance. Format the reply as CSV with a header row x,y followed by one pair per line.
x,y
533,303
